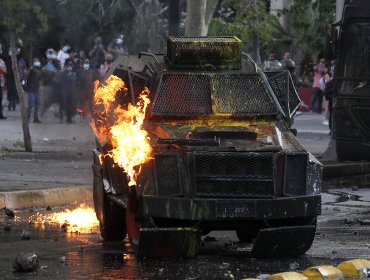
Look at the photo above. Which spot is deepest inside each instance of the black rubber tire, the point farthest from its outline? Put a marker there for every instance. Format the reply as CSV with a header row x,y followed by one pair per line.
x,y
113,226
111,216
247,235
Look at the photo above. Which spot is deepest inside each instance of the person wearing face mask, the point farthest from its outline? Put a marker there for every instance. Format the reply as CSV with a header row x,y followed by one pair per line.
x,y
97,53
85,87
117,47
63,55
105,66
68,91
32,89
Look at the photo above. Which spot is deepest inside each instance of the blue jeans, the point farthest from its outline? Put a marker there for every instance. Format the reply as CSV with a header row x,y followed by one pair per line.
x,y
33,101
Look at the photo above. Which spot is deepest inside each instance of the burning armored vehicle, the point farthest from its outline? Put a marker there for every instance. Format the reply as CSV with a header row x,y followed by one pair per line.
x,y
218,153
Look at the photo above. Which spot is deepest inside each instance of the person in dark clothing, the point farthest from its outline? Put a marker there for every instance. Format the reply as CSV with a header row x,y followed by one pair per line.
x,y
32,88
10,84
85,87
68,88
97,53
3,71
328,92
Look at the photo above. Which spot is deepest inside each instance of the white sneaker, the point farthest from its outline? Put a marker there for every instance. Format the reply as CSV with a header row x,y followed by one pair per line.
x,y
325,122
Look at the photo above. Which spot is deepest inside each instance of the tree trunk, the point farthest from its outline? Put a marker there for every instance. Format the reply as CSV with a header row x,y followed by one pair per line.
x,y
210,9
174,17
26,130
195,18
255,48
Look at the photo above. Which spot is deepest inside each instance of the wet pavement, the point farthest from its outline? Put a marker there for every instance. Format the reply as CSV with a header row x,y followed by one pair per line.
x,y
342,234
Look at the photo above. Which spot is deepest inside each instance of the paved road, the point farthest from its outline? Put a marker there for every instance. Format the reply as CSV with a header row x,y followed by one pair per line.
x,y
339,237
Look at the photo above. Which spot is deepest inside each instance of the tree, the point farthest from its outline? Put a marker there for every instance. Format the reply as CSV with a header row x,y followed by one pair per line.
x,y
16,16
310,21
151,23
198,16
249,20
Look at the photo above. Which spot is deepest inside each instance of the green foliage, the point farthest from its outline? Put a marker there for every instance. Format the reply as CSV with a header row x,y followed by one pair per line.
x,y
243,18
310,21
16,15
18,144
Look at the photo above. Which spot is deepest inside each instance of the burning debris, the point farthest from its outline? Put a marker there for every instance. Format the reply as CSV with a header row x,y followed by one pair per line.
x,y
122,127
81,219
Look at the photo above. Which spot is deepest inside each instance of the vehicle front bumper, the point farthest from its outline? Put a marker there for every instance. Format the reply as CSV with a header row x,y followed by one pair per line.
x,y
199,209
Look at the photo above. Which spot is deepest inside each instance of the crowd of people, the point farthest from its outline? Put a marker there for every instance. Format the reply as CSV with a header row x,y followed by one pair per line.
x,y
65,77
322,85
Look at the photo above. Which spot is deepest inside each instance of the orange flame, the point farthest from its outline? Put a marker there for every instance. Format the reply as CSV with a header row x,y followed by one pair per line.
x,y
81,219
130,142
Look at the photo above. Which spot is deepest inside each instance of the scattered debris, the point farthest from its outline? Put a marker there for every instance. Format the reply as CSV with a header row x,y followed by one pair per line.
x,y
64,226
44,267
62,259
228,275
336,209
26,235
349,221
294,266
45,139
364,222
48,208
9,213
26,262
224,265
355,188
355,233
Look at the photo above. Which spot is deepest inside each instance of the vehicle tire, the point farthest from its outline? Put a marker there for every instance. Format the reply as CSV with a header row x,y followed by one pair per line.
x,y
247,235
111,216
113,226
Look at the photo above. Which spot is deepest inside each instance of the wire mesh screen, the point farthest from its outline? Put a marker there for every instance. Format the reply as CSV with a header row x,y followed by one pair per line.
x,y
183,95
226,174
205,94
283,87
294,100
296,174
200,52
241,94
167,172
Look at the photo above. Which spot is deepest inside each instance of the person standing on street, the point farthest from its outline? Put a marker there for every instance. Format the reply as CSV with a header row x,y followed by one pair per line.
x,y
2,82
117,47
63,55
317,94
32,88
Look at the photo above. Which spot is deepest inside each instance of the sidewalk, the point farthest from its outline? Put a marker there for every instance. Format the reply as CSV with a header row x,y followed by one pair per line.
x,y
58,171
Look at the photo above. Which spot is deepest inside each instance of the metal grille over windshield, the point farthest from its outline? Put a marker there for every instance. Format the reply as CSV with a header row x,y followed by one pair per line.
x,y
209,93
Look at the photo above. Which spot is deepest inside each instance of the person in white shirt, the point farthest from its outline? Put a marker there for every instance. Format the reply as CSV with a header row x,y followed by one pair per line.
x,y
63,55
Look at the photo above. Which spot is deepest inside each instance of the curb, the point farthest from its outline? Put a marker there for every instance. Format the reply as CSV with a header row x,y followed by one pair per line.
x,y
342,169
44,198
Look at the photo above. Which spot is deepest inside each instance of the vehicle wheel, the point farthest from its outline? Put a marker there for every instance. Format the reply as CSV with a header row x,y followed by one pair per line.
x,y
110,215
248,235
113,226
